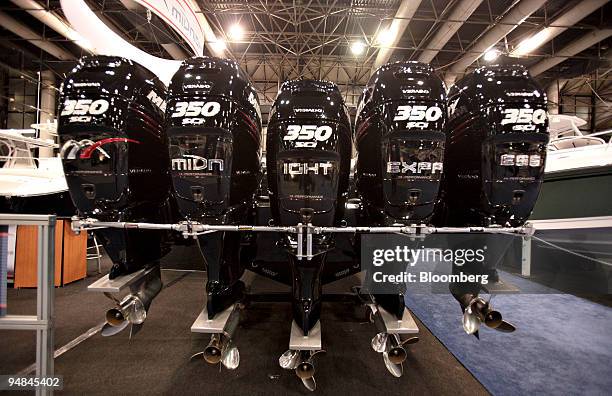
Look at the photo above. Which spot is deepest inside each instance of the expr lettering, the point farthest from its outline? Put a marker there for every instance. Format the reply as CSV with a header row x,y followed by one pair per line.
x,y
413,167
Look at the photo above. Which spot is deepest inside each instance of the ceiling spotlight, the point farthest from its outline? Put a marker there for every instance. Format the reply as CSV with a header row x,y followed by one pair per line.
x,y
385,38
491,55
219,45
528,45
358,47
235,32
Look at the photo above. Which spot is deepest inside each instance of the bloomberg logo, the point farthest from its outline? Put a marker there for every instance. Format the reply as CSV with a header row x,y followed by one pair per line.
x,y
196,163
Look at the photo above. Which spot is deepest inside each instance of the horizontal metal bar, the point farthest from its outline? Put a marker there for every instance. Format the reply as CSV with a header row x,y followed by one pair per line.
x,y
22,322
185,227
423,229
21,219
194,228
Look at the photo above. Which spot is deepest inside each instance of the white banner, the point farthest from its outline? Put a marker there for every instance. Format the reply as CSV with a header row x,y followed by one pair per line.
x,y
181,15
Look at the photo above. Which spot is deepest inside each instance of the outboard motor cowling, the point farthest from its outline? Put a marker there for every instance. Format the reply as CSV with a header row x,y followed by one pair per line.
x,y
496,147
308,152
399,135
115,156
308,164
214,127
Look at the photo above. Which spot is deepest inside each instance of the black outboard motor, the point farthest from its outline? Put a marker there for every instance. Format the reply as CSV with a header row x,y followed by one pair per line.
x,y
399,135
214,127
308,164
496,147
497,134
115,155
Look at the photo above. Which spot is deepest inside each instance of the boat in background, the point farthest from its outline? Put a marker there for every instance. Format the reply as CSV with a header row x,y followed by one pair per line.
x,y
573,214
31,184
578,173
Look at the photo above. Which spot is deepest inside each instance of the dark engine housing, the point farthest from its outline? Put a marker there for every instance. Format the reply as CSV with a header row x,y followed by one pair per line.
x,y
214,127
399,135
308,152
496,147
308,163
115,154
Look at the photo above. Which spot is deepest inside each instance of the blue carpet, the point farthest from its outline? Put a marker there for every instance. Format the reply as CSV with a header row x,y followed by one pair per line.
x,y
562,346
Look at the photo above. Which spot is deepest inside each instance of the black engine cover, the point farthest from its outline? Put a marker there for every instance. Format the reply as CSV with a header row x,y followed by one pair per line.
x,y
496,147
308,152
399,134
115,155
214,127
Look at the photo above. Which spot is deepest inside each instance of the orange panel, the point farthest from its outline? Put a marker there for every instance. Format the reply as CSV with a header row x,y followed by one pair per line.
x,y
26,255
75,255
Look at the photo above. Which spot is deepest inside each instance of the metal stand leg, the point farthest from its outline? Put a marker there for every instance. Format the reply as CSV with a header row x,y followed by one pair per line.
x,y
526,256
95,256
45,303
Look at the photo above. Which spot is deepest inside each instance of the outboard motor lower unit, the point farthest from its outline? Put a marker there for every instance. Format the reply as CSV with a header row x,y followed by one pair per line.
x,y
308,163
214,127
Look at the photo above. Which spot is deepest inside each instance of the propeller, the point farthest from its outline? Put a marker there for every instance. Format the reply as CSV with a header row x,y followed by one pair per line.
x,y
303,365
310,383
480,311
220,350
212,352
505,327
289,360
109,330
130,310
230,357
471,323
393,350
394,368
379,342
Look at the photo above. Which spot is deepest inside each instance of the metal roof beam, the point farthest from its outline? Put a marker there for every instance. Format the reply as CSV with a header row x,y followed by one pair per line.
x,y
575,47
508,23
398,26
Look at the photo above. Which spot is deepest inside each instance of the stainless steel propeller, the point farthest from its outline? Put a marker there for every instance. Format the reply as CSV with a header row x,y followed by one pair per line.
x,y
480,311
471,322
289,360
310,383
379,342
393,351
302,363
230,357
395,369
109,330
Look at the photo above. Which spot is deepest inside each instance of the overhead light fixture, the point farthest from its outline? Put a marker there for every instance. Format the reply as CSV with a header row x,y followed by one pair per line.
x,y
385,38
491,55
235,32
219,45
358,47
531,43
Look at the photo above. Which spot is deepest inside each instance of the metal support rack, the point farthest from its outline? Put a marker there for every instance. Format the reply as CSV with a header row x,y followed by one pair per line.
x,y
42,322
303,231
